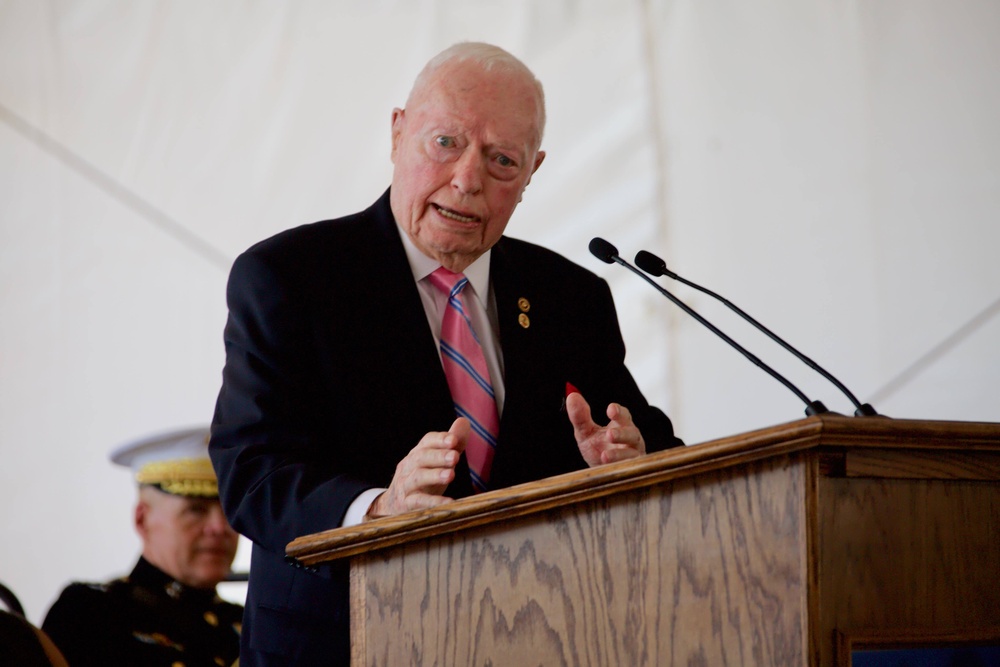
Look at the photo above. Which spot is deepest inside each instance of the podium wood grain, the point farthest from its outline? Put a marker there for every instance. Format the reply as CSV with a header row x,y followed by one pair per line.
x,y
603,584
758,549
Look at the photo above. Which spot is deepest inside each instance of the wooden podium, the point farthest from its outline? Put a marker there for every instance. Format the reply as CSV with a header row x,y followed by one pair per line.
x,y
774,547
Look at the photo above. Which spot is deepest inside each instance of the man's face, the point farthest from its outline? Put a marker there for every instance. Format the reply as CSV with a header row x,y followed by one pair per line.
x,y
463,151
188,538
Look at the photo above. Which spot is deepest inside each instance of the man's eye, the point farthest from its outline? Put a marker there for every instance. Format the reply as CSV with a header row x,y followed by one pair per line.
x,y
504,161
197,508
445,142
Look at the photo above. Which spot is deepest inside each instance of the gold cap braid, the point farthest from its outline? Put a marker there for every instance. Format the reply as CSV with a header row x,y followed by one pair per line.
x,y
182,477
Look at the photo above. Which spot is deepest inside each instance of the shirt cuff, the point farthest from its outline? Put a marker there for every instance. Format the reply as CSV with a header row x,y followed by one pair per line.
x,y
356,510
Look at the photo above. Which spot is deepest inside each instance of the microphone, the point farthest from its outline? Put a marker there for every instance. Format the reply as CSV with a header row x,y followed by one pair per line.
x,y
653,265
608,254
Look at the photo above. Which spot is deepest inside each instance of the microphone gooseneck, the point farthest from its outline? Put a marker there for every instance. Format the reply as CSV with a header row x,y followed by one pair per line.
x,y
608,254
653,265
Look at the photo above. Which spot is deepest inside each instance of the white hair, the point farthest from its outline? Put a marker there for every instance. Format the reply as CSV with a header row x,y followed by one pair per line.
x,y
490,58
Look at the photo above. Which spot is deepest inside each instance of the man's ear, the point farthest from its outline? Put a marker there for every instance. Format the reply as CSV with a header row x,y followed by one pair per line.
x,y
538,163
398,116
140,515
539,157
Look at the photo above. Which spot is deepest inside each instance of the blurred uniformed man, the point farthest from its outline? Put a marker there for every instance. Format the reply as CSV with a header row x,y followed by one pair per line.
x,y
166,612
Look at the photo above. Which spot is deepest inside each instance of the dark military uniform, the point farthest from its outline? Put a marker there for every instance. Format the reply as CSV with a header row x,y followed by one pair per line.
x,y
146,619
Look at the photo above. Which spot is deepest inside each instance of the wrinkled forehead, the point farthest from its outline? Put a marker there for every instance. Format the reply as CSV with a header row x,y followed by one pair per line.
x,y
464,92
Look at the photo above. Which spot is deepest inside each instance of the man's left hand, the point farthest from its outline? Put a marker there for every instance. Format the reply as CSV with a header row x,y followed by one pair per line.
x,y
618,441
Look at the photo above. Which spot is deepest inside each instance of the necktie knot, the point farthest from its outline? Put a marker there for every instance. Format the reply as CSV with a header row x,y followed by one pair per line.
x,y
449,282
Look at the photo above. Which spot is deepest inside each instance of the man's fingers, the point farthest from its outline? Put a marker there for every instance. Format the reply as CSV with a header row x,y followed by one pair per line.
x,y
622,430
618,441
578,411
427,477
424,474
459,431
419,501
620,414
442,439
392,502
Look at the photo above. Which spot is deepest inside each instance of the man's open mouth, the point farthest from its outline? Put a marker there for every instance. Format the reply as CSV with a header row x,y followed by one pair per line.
x,y
454,215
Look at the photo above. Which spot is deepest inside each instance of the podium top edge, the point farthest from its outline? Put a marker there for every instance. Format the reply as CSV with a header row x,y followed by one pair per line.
x,y
827,431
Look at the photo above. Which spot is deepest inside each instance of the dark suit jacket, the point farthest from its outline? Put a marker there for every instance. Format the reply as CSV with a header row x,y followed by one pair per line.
x,y
332,376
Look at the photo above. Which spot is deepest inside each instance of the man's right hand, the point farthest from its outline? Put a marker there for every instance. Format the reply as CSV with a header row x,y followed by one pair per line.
x,y
424,474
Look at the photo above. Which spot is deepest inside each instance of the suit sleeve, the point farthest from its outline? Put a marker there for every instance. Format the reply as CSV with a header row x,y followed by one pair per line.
x,y
271,444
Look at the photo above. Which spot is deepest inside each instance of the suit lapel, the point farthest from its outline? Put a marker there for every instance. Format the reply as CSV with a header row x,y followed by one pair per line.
x,y
536,438
526,383
514,322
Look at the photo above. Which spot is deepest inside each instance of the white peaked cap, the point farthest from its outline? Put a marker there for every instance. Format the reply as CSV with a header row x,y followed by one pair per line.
x,y
176,462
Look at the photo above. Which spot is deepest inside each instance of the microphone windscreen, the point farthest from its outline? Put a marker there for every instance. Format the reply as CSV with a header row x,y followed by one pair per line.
x,y
650,263
603,250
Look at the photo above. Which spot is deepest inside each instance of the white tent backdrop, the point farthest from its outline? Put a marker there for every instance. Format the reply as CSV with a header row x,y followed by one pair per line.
x,y
831,167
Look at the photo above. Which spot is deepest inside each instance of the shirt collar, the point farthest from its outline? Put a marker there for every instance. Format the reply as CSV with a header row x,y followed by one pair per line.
x,y
422,266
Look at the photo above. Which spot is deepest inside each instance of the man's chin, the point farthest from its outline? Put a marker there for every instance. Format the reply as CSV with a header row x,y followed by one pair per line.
x,y
209,580
453,248
212,569
450,235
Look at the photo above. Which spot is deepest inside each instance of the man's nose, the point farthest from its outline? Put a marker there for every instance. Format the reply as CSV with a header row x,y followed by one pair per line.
x,y
216,522
468,175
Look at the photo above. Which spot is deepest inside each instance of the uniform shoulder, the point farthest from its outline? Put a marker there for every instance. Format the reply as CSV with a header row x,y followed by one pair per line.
x,y
79,594
90,589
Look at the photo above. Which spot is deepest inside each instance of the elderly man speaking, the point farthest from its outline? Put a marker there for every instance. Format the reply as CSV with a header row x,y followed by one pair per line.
x,y
410,354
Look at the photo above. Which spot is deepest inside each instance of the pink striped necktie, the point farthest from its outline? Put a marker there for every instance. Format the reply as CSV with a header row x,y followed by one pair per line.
x,y
468,377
